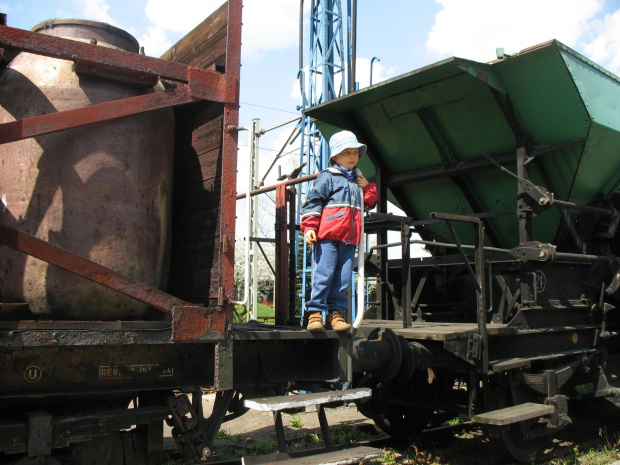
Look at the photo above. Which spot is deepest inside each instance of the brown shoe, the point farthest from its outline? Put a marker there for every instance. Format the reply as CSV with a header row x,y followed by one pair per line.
x,y
315,321
335,321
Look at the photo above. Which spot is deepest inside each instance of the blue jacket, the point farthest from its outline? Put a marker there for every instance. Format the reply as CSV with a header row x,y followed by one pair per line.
x,y
333,207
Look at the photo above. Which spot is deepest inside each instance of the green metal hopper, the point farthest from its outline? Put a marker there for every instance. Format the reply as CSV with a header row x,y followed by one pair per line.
x,y
428,130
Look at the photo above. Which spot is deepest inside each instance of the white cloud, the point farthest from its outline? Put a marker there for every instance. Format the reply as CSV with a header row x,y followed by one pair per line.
x,y
181,15
606,43
95,10
155,41
475,28
267,25
169,24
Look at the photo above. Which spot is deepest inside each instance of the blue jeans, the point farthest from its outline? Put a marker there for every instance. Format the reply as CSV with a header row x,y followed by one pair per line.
x,y
331,276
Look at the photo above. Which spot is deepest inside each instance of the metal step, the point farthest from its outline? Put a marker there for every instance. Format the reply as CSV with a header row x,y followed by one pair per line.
x,y
515,414
277,403
351,455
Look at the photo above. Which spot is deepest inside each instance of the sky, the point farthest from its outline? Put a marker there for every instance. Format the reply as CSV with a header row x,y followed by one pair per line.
x,y
403,35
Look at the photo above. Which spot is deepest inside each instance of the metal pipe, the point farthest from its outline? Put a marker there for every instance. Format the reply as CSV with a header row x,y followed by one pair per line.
x,y
437,244
294,120
273,187
575,257
583,208
371,61
301,34
352,71
359,316
248,209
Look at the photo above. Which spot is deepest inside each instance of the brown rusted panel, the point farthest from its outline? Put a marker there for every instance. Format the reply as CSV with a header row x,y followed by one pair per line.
x,y
202,268
45,124
197,323
205,44
204,175
203,132
197,206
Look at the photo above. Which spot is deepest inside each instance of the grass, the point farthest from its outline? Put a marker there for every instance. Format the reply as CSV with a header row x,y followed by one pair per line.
x,y
264,312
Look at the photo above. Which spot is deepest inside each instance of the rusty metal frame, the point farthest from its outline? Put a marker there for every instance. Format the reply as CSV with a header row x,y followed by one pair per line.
x,y
193,84
229,152
88,269
480,345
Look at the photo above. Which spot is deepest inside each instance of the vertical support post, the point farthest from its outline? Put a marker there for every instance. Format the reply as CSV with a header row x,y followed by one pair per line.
x,y
282,251
406,275
229,149
481,296
327,438
292,264
277,418
253,219
525,215
524,211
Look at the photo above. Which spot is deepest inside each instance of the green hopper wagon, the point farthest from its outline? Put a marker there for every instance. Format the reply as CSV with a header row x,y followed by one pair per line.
x,y
508,171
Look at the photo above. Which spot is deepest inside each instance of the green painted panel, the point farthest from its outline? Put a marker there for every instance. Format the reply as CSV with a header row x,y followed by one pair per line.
x,y
440,195
600,165
599,89
474,124
543,93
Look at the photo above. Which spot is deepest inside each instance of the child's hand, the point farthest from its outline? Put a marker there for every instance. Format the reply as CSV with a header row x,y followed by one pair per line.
x,y
361,180
310,236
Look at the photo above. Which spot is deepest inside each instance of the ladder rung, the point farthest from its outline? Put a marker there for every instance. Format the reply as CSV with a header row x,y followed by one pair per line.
x,y
276,403
515,414
345,456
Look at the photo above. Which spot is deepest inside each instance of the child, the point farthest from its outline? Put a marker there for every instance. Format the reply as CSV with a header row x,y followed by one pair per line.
x,y
330,220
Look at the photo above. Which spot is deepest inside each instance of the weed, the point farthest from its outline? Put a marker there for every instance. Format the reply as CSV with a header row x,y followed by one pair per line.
x,y
387,456
263,448
296,422
223,434
456,421
344,434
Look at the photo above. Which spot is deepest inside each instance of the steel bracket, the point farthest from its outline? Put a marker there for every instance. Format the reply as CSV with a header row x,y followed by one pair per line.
x,y
474,346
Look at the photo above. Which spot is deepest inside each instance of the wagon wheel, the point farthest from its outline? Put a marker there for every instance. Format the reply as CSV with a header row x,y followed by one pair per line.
x,y
403,423
398,420
520,439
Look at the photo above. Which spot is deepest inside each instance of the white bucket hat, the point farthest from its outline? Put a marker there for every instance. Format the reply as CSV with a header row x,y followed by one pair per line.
x,y
344,140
